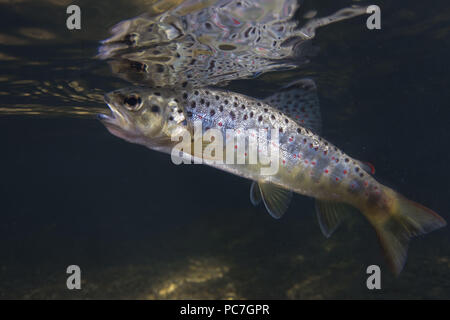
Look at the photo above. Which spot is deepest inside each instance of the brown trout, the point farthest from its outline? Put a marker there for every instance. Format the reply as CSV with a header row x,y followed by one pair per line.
x,y
308,164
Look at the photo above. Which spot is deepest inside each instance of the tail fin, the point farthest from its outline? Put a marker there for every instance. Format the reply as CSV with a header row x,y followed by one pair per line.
x,y
404,220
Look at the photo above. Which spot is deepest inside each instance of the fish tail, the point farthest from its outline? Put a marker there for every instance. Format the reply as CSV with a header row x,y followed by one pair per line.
x,y
396,220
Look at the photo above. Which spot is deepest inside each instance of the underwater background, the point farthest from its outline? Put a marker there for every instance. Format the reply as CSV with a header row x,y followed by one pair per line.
x,y
141,227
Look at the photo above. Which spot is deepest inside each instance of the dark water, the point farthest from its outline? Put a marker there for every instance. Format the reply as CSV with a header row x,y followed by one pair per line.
x,y
141,227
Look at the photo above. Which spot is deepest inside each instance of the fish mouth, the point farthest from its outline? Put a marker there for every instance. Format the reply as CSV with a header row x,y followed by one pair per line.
x,y
114,117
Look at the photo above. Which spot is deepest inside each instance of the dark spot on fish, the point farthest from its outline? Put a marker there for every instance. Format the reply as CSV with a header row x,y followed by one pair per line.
x,y
361,175
196,92
226,102
184,84
258,104
232,115
272,117
185,96
299,130
159,68
217,97
202,101
251,114
193,104
212,64
281,130
347,159
189,114
227,47
170,118
286,120
246,33
260,118
245,117
265,109
155,108
221,108
212,112
157,94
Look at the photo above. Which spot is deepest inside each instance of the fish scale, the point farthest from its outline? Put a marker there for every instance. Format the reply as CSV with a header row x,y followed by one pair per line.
x,y
313,164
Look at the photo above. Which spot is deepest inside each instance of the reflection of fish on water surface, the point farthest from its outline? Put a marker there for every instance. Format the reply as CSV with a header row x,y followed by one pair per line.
x,y
226,41
309,164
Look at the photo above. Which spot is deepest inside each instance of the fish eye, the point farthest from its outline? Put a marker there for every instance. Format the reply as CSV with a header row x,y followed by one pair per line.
x,y
132,102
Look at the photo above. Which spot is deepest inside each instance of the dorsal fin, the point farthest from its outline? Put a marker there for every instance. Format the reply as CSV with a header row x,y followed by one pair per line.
x,y
299,101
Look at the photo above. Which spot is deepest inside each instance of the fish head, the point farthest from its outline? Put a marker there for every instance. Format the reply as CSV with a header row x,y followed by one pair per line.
x,y
141,113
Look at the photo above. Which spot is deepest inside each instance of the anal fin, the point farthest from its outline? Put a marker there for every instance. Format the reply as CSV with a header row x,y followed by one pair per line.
x,y
330,214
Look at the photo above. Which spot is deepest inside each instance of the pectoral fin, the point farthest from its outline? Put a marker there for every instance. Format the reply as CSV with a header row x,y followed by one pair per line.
x,y
255,194
329,215
276,199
